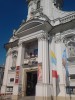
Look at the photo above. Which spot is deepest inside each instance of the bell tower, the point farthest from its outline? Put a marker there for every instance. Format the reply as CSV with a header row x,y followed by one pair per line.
x,y
43,6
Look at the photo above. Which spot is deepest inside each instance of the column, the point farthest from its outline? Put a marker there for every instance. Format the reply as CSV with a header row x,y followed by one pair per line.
x,y
17,89
5,79
58,46
43,87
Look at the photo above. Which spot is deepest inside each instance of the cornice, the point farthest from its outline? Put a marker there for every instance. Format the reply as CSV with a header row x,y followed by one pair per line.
x,y
67,18
30,36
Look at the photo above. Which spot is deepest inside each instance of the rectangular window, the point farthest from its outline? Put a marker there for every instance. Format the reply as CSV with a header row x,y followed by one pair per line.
x,y
72,76
11,79
70,90
9,89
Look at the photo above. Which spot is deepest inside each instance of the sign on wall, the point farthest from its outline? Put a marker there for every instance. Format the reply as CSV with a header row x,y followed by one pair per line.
x,y
17,74
39,72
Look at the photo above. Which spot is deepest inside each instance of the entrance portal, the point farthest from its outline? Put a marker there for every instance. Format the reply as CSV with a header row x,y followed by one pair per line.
x,y
31,83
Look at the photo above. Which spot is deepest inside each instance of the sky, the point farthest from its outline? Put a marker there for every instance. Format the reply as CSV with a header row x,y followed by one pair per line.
x,y
12,12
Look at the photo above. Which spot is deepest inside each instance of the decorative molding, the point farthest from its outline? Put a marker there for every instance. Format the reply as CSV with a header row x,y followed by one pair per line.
x,y
43,36
31,36
11,50
14,49
30,3
67,18
67,35
58,37
35,11
20,43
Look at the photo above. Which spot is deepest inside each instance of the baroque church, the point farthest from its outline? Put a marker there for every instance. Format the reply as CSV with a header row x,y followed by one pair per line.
x,y
40,59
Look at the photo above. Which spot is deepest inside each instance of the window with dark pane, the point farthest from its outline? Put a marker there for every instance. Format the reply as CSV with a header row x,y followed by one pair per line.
x,y
9,89
11,79
38,4
72,76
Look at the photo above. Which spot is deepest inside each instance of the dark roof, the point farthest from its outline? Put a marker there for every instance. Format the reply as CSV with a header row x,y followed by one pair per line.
x,y
11,44
2,66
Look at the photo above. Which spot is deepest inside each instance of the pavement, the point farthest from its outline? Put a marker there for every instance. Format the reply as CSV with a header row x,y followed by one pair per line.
x,y
28,98
23,98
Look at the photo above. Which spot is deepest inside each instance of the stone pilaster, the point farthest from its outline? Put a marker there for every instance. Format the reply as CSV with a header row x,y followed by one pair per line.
x,y
58,46
53,66
7,65
43,87
17,89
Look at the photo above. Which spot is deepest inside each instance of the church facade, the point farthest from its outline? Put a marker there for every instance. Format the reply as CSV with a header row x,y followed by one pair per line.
x,y
40,58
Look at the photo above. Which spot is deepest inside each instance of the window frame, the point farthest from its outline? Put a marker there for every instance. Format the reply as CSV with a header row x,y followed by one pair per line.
x,y
11,81
38,4
9,88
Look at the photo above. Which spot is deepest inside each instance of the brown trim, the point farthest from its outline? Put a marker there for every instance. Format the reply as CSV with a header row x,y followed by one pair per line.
x,y
11,44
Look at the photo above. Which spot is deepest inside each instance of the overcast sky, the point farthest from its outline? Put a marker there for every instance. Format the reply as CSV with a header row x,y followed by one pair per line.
x,y
12,12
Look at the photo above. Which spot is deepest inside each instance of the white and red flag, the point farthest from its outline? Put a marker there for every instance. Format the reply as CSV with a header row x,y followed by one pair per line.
x,y
53,60
53,68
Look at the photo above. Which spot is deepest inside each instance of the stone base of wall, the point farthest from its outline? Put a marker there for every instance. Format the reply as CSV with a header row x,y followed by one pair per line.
x,y
60,98
65,98
70,97
16,97
43,98
54,98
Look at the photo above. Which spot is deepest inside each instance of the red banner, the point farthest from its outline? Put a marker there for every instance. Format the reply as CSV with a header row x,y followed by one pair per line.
x,y
17,74
54,74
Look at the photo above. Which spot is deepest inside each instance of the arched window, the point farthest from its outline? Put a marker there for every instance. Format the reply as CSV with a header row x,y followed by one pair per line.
x,y
14,58
38,4
69,41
